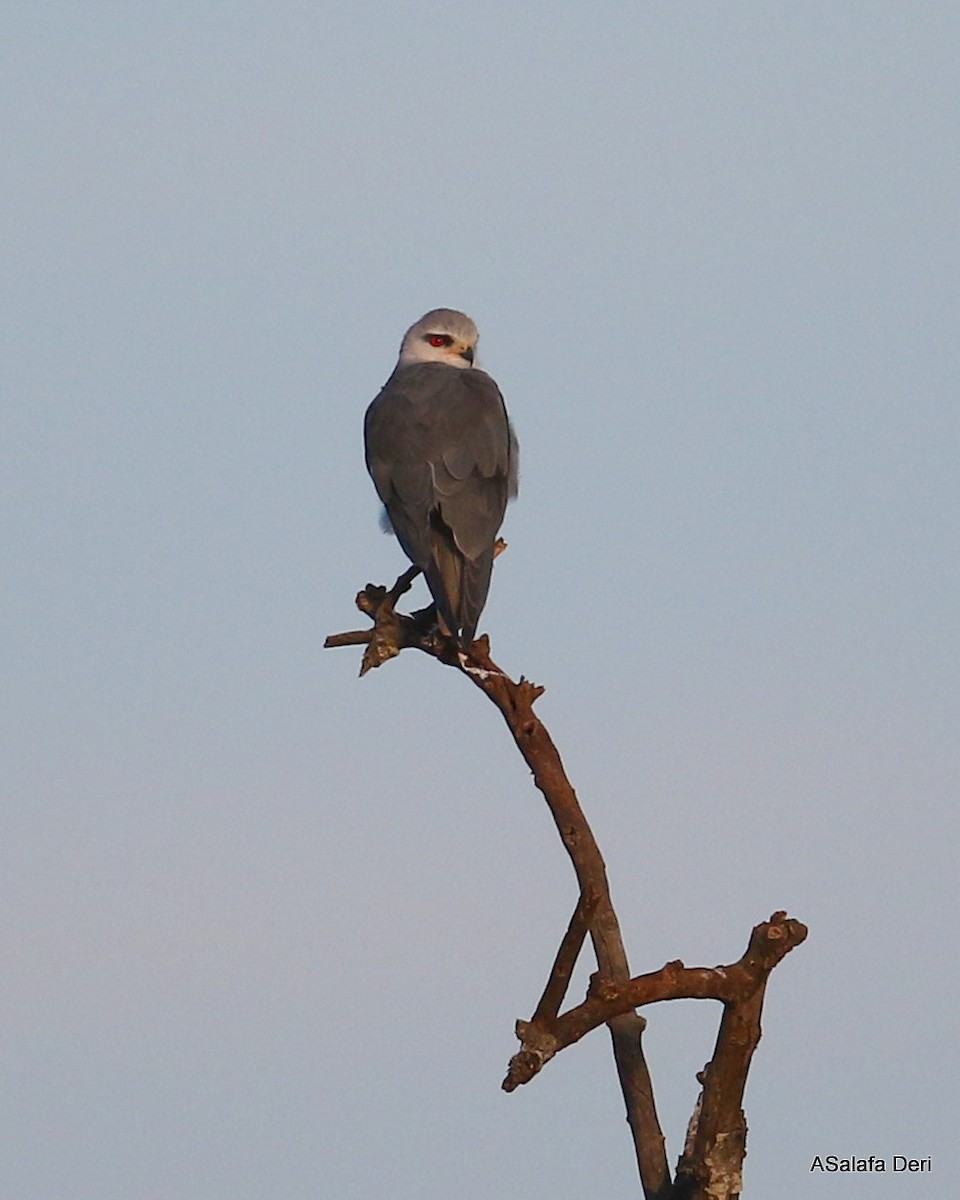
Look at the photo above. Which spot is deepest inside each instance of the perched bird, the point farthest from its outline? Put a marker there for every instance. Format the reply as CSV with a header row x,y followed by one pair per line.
x,y
443,457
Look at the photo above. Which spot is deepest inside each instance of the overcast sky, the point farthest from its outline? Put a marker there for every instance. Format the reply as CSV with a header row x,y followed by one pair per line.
x,y
268,927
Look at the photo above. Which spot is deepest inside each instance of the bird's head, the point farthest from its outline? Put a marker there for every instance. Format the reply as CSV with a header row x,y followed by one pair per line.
x,y
443,335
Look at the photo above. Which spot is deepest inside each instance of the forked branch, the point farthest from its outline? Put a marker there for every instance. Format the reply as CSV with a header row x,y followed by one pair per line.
x,y
736,986
716,1140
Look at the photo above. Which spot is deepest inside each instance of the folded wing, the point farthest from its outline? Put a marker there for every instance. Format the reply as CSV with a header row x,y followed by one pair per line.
x,y
443,457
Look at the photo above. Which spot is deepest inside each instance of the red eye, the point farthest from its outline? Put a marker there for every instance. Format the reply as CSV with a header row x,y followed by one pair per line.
x,y
438,340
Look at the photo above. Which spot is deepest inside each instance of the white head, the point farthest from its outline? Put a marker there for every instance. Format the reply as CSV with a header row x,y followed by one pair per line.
x,y
443,335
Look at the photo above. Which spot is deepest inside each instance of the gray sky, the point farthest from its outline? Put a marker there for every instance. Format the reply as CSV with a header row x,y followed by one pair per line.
x,y
268,927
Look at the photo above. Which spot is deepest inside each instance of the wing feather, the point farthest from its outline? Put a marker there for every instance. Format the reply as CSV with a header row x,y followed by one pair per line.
x,y
442,456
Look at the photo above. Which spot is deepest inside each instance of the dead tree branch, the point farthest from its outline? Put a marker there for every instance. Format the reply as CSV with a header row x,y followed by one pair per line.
x,y
566,960
716,1143
736,986
711,1165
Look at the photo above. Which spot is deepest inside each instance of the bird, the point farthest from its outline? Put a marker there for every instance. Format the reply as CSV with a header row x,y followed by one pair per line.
x,y
443,457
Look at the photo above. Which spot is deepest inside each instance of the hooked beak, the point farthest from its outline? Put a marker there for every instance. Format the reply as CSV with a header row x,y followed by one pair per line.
x,y
467,353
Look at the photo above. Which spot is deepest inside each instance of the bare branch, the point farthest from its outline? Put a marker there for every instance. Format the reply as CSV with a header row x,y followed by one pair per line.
x,y
716,1143
357,637
566,960
735,985
392,632
515,702
711,1165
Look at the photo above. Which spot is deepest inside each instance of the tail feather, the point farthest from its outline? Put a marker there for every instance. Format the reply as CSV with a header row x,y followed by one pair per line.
x,y
443,578
459,585
475,583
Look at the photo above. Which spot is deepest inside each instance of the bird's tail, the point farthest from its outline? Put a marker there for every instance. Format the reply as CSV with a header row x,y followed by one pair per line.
x,y
459,585
474,585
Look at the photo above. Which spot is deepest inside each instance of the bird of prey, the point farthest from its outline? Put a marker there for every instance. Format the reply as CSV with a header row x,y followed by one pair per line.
x,y
443,458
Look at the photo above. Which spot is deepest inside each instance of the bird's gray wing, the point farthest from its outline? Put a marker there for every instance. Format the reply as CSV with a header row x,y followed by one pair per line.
x,y
443,458
471,476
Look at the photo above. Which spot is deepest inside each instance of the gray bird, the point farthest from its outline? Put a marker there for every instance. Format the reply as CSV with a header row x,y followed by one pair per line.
x,y
443,457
